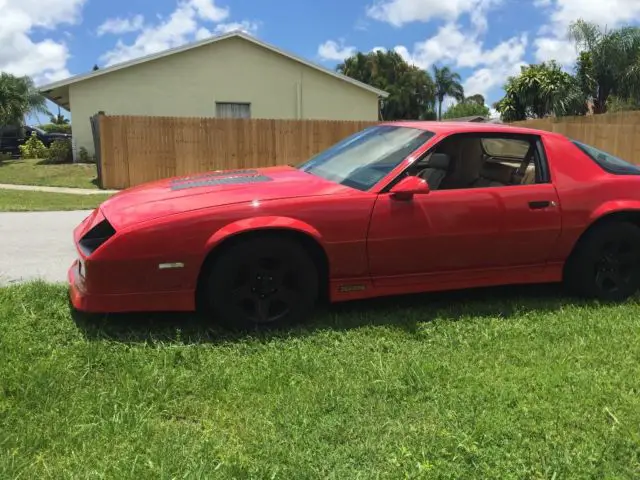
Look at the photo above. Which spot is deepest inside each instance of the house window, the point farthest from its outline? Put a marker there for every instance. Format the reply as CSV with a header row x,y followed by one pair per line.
x,y
233,110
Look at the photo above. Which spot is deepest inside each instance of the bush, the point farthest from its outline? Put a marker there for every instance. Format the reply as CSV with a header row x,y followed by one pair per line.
x,y
60,152
33,148
4,156
83,155
55,128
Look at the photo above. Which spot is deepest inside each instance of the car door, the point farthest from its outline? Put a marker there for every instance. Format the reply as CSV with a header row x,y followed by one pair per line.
x,y
474,226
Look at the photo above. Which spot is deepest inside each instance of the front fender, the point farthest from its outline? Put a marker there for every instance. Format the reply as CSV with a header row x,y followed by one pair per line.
x,y
262,223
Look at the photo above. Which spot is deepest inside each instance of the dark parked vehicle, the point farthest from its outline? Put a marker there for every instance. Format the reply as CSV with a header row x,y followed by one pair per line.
x,y
11,137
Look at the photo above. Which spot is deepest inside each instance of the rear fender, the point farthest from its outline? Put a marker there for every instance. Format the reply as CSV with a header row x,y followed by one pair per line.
x,y
614,207
262,223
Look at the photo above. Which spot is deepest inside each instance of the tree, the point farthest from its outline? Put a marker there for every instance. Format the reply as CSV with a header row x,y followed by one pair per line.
x,y
467,108
608,64
541,90
18,98
411,90
447,85
477,98
59,119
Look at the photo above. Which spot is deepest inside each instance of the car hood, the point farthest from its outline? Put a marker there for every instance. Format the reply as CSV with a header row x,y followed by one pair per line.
x,y
213,189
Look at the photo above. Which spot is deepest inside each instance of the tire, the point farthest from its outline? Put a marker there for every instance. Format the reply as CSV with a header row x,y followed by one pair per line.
x,y
262,282
605,265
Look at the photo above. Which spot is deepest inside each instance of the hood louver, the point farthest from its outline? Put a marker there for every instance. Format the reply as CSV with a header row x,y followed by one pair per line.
x,y
95,237
233,177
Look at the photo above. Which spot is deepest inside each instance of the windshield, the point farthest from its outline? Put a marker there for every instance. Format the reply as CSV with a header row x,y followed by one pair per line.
x,y
607,161
363,159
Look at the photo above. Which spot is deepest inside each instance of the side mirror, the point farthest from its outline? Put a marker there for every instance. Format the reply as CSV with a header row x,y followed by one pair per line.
x,y
406,188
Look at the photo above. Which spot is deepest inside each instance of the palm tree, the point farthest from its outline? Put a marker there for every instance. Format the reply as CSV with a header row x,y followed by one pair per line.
x,y
609,62
18,98
59,119
447,85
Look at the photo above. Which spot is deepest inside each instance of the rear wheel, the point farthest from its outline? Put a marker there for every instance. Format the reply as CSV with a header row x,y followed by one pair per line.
x,y
606,263
265,281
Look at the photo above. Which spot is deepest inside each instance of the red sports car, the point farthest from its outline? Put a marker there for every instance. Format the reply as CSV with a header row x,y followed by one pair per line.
x,y
399,207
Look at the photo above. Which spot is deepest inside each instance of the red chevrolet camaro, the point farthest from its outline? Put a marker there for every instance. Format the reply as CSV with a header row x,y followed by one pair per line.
x,y
397,208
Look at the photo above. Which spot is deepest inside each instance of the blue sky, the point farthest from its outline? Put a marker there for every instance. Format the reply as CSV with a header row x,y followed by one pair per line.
x,y
484,40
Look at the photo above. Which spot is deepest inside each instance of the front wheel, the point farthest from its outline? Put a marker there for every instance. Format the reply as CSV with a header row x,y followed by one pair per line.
x,y
606,263
265,281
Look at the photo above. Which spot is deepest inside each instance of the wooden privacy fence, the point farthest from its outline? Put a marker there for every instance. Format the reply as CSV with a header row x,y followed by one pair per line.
x,y
616,133
135,150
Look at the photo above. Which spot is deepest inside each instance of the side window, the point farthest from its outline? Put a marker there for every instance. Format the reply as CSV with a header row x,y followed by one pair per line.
x,y
484,160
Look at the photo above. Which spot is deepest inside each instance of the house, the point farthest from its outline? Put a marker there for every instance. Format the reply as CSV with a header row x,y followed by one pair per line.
x,y
233,76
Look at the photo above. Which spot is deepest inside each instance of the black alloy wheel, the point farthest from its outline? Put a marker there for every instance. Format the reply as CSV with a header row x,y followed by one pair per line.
x,y
606,263
263,282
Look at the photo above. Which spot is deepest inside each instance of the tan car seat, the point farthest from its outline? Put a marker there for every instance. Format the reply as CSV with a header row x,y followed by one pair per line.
x,y
529,175
467,164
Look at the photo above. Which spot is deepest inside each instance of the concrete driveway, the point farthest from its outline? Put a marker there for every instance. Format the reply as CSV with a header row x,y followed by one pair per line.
x,y
37,245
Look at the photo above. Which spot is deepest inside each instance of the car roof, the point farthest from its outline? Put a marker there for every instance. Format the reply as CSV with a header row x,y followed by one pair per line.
x,y
461,127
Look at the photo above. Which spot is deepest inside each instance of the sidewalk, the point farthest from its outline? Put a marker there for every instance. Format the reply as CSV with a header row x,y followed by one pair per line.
x,y
74,191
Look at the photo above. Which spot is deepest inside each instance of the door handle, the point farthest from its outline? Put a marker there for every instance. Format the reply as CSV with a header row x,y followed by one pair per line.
x,y
541,204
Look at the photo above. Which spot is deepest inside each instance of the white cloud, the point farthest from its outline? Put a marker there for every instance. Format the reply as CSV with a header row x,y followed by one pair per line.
x,y
451,45
553,42
246,26
175,31
334,51
498,64
208,10
379,49
118,26
203,33
44,60
562,50
611,13
400,12
486,79
182,26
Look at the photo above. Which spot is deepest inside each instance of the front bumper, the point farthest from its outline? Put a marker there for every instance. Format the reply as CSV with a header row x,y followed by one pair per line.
x,y
83,301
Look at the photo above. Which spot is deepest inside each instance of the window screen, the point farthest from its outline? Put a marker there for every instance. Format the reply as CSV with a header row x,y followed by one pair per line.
x,y
233,110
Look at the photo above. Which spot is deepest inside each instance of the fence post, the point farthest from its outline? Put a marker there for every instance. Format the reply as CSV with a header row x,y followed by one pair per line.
x,y
95,130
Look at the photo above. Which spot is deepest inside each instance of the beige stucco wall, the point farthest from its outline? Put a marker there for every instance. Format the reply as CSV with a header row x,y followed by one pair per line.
x,y
233,70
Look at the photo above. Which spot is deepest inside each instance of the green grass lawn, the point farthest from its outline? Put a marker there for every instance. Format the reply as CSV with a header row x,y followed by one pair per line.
x,y
25,201
35,172
506,384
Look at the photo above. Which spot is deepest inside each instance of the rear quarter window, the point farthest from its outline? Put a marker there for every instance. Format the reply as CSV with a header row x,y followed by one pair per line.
x,y
608,162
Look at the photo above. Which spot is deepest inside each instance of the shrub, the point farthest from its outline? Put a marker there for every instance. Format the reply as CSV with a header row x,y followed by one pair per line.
x,y
33,148
4,156
83,155
60,152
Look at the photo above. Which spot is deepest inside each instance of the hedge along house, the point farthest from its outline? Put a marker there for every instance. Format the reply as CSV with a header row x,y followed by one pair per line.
x,y
233,75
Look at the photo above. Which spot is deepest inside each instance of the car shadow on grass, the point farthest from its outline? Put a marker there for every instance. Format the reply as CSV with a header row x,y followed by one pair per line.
x,y
406,312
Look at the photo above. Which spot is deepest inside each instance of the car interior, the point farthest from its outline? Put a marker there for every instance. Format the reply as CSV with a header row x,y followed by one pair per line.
x,y
463,161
